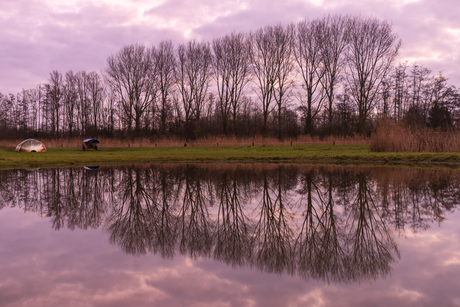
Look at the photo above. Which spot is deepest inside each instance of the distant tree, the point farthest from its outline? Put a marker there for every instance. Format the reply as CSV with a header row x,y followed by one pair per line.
x,y
440,117
6,108
400,89
54,96
96,96
264,69
22,112
344,117
284,76
129,74
231,71
70,100
84,104
165,62
371,51
37,100
193,75
109,112
418,80
334,32
414,117
308,53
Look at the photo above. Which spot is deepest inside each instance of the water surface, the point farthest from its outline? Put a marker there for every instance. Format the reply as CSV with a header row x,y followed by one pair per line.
x,y
229,235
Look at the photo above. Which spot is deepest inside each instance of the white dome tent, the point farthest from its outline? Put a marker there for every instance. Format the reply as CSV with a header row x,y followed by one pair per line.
x,y
31,145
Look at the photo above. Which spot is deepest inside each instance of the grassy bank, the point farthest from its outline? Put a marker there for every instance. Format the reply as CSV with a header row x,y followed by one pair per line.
x,y
56,157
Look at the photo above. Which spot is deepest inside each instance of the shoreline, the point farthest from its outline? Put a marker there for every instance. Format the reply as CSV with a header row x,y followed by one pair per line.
x,y
308,154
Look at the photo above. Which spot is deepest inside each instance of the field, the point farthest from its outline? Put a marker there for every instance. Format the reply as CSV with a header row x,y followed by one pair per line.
x,y
334,154
204,142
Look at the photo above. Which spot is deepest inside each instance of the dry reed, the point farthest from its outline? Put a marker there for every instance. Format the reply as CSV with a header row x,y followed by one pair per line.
x,y
205,142
397,137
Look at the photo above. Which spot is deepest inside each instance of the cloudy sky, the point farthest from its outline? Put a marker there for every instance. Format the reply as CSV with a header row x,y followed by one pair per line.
x,y
39,36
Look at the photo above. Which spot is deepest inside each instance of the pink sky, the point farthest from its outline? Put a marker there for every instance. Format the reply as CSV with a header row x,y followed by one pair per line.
x,y
39,36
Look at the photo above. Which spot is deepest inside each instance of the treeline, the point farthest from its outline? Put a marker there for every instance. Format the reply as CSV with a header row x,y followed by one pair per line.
x,y
329,76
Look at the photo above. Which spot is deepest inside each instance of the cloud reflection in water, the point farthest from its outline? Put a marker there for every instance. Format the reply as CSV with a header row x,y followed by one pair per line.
x,y
318,223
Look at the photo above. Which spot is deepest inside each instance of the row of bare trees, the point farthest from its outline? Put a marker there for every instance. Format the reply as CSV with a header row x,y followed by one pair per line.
x,y
70,105
331,75
420,99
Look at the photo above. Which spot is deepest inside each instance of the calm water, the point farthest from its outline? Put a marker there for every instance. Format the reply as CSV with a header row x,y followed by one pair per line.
x,y
229,235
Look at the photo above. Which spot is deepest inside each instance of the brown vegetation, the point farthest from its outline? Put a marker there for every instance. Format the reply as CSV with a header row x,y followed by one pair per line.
x,y
211,141
398,137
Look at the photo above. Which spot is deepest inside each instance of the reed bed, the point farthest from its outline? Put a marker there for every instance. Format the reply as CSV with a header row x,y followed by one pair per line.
x,y
397,137
205,142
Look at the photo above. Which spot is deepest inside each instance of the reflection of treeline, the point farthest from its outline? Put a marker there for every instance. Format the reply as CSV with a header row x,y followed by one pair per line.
x,y
323,76
329,223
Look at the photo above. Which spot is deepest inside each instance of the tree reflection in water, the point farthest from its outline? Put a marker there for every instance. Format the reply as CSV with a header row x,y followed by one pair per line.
x,y
335,224
232,232
371,248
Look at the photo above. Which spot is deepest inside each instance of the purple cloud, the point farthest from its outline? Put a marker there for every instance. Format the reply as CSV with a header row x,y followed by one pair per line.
x,y
40,36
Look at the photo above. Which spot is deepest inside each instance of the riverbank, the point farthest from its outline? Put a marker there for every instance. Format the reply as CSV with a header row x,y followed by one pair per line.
x,y
333,154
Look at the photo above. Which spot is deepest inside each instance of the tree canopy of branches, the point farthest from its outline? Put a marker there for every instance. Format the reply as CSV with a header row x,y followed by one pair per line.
x,y
334,75
231,73
193,76
371,51
131,76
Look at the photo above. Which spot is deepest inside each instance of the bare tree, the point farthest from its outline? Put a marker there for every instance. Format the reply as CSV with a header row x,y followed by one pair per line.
x,y
96,96
84,106
334,36
36,97
3,114
129,74
400,89
70,100
166,62
193,76
54,95
371,52
285,67
109,111
231,68
384,108
308,55
264,68
22,112
419,78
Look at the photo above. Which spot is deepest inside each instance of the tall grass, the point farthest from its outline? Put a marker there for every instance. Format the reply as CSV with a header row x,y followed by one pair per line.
x,y
205,142
397,137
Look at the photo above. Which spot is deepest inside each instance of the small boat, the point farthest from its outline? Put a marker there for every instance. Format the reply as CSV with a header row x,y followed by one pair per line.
x,y
90,144
91,168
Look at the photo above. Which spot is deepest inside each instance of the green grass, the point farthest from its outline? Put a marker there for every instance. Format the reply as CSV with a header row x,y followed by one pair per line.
x,y
57,157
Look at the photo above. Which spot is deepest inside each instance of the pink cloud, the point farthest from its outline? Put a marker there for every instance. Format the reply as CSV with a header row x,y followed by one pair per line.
x,y
37,38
